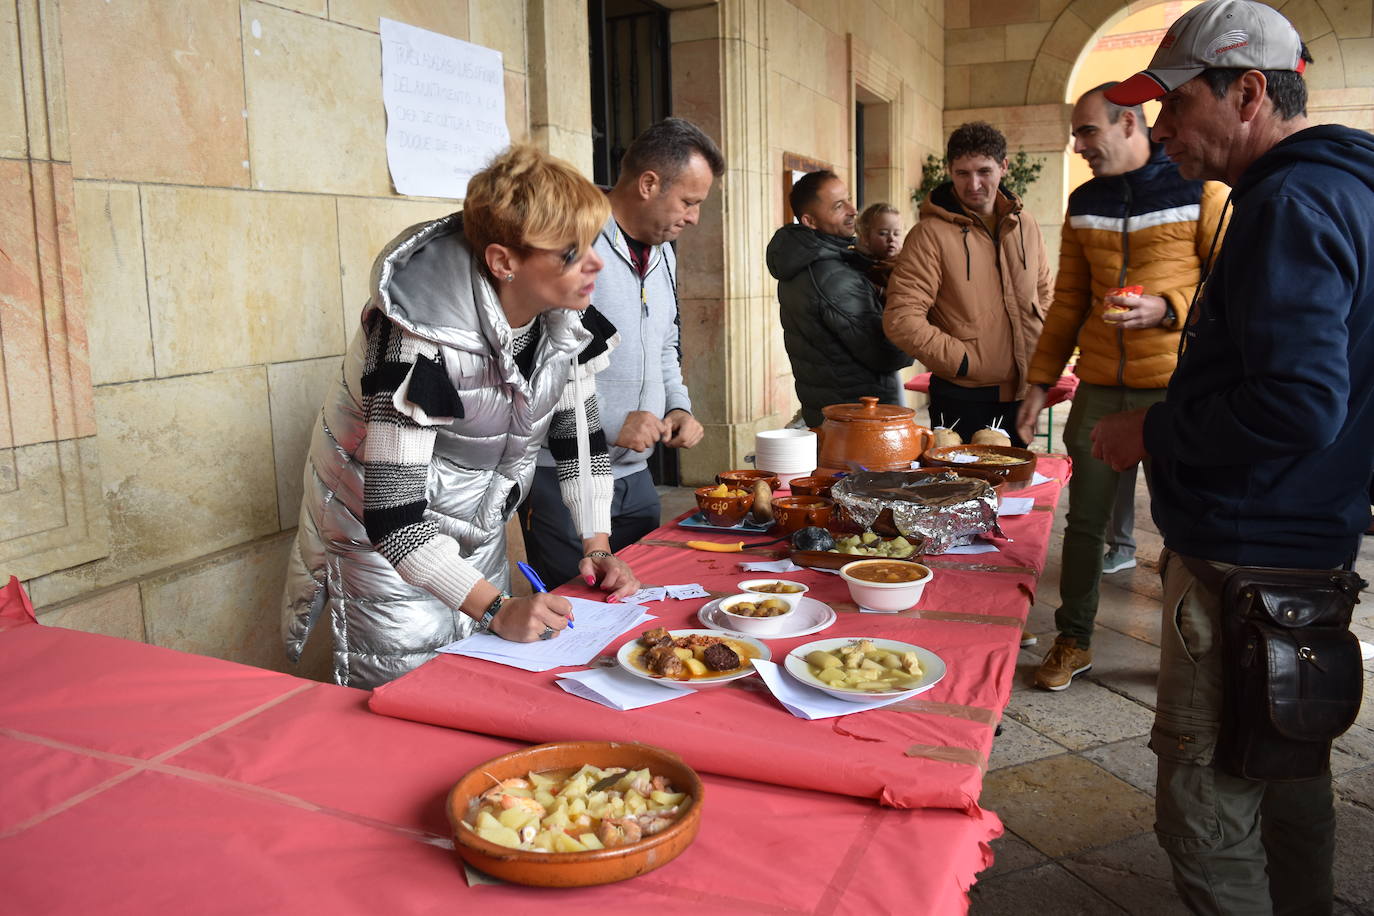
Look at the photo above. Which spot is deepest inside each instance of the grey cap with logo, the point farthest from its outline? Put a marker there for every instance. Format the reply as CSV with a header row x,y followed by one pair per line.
x,y
1229,34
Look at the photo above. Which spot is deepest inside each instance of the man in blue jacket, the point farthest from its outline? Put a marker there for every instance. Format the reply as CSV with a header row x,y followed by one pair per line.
x,y
665,175
1262,449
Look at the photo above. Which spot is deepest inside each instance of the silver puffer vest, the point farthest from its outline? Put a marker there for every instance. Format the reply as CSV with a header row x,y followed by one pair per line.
x,y
426,281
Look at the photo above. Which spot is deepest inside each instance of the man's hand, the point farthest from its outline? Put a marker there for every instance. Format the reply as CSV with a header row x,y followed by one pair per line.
x,y
681,429
640,431
1028,417
1145,311
1119,439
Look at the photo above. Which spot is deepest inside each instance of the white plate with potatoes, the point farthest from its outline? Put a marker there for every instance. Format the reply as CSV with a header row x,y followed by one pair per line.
x,y
630,658
863,669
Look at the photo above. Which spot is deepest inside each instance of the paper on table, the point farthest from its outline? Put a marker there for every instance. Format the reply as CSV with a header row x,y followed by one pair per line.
x,y
808,702
1015,505
645,595
617,689
1038,478
777,566
691,590
597,625
980,547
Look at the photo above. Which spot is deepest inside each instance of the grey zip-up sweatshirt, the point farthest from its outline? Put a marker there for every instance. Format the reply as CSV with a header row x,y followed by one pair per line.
x,y
645,372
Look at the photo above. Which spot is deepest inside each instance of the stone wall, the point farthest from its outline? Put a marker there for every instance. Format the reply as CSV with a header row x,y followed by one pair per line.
x,y
211,174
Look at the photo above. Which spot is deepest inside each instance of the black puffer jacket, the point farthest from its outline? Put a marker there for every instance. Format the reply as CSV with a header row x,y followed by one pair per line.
x,y
832,322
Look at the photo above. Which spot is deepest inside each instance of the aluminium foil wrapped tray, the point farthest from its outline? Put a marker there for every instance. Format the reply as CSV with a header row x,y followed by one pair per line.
x,y
948,510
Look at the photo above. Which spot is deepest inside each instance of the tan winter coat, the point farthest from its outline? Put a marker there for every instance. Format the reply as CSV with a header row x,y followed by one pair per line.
x,y
957,293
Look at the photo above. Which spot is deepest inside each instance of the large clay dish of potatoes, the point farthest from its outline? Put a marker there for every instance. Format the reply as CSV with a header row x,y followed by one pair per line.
x,y
1019,463
575,869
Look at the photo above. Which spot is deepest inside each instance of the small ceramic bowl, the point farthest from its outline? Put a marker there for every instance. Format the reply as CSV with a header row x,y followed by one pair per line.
x,y
744,479
754,626
575,869
792,513
887,596
724,511
791,599
815,485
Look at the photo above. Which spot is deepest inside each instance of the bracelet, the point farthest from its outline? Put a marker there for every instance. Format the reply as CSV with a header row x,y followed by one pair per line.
x,y
597,553
484,625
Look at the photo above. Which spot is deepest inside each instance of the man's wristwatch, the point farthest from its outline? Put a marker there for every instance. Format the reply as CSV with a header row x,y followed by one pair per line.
x,y
591,554
1170,316
484,625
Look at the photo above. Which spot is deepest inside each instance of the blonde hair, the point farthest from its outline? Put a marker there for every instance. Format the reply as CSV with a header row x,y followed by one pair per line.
x,y
526,198
871,213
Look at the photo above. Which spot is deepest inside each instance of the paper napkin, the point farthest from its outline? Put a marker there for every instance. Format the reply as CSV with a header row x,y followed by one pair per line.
x,y
645,595
1015,505
807,702
617,689
777,566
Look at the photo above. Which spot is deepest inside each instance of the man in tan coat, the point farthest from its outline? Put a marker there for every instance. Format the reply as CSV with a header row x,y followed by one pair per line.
x,y
971,288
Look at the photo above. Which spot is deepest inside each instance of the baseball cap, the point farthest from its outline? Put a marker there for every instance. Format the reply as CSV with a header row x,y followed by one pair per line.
x,y
1236,34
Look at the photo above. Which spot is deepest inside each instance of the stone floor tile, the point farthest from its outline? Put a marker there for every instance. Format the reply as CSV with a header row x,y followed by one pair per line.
x,y
1064,805
1357,744
1125,665
1130,760
1133,873
1354,840
1128,612
1356,785
1011,853
1085,715
1047,889
1019,744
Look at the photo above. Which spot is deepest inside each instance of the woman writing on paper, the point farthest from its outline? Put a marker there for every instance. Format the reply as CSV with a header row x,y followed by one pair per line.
x,y
478,346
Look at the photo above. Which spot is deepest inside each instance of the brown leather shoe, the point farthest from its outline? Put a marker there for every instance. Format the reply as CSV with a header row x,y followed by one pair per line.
x,y
1062,664
1028,638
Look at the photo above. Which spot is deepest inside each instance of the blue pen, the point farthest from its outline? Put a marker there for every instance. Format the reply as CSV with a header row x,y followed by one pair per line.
x,y
536,582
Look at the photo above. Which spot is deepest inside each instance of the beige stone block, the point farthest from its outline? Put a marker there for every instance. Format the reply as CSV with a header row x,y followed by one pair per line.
x,y
14,132
52,506
1327,70
1097,13
365,226
500,25
831,15
1024,40
1003,12
1350,18
957,14
697,87
314,100
295,393
572,146
958,88
448,18
517,107
975,46
115,612
43,87
1309,17
178,116
560,83
1352,107
109,227
1067,38
187,471
1358,57
702,24
35,502
275,300
703,355
1048,82
1000,84
1050,9
318,8
702,251
227,606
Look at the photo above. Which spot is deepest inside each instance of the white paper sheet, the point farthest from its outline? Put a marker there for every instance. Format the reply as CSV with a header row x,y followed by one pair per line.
x,y
645,595
967,549
1037,478
808,702
1015,505
597,625
690,590
777,566
445,104
616,689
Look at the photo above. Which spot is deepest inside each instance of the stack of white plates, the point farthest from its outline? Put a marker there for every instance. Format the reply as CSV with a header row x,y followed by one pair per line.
x,y
786,452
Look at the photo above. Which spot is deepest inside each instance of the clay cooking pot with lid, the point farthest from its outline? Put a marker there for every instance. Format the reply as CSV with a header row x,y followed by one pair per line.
x,y
879,437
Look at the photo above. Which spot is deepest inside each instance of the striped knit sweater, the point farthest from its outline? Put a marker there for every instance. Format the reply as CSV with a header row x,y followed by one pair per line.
x,y
407,394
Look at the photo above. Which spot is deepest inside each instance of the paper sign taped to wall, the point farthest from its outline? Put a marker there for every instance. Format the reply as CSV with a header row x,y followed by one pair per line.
x,y
445,109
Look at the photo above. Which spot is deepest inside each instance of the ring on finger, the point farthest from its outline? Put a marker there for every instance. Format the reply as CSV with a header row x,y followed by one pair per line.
x,y
548,632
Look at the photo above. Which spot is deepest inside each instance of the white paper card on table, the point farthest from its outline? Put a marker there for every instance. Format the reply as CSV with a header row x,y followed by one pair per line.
x,y
597,624
645,595
968,549
1037,478
614,688
690,590
777,566
1015,505
807,702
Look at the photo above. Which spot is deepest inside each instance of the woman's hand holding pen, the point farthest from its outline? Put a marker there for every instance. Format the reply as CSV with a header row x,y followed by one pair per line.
x,y
525,619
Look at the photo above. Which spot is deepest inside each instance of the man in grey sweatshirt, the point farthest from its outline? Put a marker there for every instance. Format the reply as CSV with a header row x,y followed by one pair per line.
x,y
664,176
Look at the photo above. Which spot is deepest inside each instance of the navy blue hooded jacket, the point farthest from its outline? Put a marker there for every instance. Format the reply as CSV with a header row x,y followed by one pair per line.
x,y
1265,445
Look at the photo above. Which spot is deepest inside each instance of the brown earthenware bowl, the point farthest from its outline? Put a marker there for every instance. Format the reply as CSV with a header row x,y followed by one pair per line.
x,y
792,513
995,477
744,480
575,869
816,485
725,511
1018,472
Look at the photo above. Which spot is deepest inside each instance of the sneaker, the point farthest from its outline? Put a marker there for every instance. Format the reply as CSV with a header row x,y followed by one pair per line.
x,y
1062,664
1117,560
1028,638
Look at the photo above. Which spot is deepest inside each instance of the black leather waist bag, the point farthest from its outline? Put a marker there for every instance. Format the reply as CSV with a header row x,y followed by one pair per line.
x,y
1291,670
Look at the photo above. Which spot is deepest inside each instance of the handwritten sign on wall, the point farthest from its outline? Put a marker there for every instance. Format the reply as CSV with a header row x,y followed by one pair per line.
x,y
445,109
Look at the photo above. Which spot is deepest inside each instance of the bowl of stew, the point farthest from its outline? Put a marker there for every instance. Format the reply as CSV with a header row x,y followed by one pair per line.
x,y
886,585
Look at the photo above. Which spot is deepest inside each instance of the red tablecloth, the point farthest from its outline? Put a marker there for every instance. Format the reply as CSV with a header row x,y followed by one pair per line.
x,y
140,780
1060,391
928,751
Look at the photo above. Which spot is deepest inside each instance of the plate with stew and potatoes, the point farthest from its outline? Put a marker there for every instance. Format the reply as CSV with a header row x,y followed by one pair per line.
x,y
865,669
